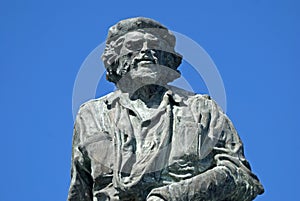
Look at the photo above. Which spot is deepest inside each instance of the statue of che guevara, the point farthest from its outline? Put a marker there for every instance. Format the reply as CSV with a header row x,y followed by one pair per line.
x,y
149,140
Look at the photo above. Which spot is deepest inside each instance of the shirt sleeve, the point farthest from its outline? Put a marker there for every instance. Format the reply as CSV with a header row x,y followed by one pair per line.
x,y
81,180
230,176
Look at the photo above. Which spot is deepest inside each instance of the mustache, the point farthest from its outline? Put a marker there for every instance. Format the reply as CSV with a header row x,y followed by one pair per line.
x,y
149,60
132,59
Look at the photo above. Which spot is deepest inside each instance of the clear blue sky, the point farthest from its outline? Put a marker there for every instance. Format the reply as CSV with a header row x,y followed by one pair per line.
x,y
254,44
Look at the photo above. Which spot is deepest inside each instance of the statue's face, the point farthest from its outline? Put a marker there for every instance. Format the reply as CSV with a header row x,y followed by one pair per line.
x,y
143,45
139,52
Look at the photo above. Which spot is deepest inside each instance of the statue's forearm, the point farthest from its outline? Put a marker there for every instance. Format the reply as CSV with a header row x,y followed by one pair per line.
x,y
216,184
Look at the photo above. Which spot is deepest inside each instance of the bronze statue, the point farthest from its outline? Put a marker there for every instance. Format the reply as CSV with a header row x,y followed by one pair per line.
x,y
151,141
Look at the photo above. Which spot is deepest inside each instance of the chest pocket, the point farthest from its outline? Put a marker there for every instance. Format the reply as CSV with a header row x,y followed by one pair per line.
x,y
185,140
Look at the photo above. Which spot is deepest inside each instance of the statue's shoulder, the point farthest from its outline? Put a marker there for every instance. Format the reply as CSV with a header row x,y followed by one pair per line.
x,y
196,102
98,103
188,96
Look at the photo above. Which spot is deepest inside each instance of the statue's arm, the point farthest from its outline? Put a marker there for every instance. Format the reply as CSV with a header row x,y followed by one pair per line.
x,y
225,181
81,180
213,185
230,175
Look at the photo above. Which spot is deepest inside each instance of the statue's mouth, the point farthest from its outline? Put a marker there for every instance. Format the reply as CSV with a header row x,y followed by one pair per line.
x,y
145,61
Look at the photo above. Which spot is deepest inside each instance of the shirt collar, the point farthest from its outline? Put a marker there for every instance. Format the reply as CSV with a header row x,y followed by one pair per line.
x,y
177,96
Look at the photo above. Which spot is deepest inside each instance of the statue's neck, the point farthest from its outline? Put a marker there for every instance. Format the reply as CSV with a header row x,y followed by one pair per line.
x,y
151,95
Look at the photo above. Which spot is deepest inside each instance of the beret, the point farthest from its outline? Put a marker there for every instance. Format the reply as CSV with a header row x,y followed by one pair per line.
x,y
140,23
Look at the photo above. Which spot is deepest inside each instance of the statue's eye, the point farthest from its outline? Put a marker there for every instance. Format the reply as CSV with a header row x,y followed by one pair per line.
x,y
134,45
154,45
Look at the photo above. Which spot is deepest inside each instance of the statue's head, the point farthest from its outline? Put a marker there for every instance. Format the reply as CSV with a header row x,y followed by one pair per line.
x,y
140,43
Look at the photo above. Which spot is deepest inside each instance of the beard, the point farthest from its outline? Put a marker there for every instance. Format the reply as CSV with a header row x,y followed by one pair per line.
x,y
146,70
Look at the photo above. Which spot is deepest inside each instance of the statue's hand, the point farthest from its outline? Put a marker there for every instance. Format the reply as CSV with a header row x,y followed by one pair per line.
x,y
154,198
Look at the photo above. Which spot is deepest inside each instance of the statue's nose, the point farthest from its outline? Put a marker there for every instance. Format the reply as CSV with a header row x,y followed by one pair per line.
x,y
145,49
